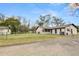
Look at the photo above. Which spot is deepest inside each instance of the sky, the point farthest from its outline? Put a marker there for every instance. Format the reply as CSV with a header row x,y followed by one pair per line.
x,y
32,11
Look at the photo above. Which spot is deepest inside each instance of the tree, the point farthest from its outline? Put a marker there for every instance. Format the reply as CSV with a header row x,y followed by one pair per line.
x,y
29,24
57,21
47,20
13,29
43,20
23,28
33,29
13,23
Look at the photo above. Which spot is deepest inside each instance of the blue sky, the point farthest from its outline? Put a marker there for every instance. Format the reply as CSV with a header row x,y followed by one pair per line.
x,y
33,11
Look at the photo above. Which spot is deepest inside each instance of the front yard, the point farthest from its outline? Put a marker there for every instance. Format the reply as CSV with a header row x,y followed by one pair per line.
x,y
15,39
49,45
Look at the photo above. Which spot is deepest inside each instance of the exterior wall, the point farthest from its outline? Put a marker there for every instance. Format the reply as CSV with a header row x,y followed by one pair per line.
x,y
74,29
45,33
64,31
71,28
9,31
53,31
39,30
5,31
58,31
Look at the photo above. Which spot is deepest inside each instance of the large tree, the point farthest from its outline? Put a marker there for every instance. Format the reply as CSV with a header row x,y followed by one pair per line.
x,y
23,29
43,20
33,28
57,21
13,23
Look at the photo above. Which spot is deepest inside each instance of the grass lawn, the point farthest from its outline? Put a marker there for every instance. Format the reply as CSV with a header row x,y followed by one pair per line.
x,y
25,38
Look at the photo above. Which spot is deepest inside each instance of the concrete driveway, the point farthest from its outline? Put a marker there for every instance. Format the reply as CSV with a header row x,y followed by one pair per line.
x,y
55,47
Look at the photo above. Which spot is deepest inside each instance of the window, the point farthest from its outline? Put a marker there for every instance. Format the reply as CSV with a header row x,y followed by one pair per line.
x,y
47,30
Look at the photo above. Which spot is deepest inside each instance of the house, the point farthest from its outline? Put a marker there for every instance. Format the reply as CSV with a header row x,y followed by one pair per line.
x,y
63,30
4,30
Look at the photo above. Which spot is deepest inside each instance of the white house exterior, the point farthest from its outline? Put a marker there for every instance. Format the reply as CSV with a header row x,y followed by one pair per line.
x,y
4,30
63,30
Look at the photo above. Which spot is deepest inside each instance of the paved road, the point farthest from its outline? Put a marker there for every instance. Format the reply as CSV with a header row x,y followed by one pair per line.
x,y
53,47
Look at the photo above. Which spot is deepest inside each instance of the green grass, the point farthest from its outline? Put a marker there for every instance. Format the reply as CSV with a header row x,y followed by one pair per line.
x,y
25,38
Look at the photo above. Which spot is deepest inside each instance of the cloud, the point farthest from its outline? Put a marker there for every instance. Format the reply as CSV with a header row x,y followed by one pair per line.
x,y
51,12
44,12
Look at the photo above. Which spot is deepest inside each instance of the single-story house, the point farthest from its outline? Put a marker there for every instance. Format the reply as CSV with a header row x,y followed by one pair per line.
x,y
4,30
63,30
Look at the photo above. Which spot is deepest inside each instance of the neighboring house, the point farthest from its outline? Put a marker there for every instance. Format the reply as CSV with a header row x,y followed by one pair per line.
x,y
4,30
63,30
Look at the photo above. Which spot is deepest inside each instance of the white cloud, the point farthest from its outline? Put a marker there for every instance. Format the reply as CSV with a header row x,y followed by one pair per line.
x,y
45,12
